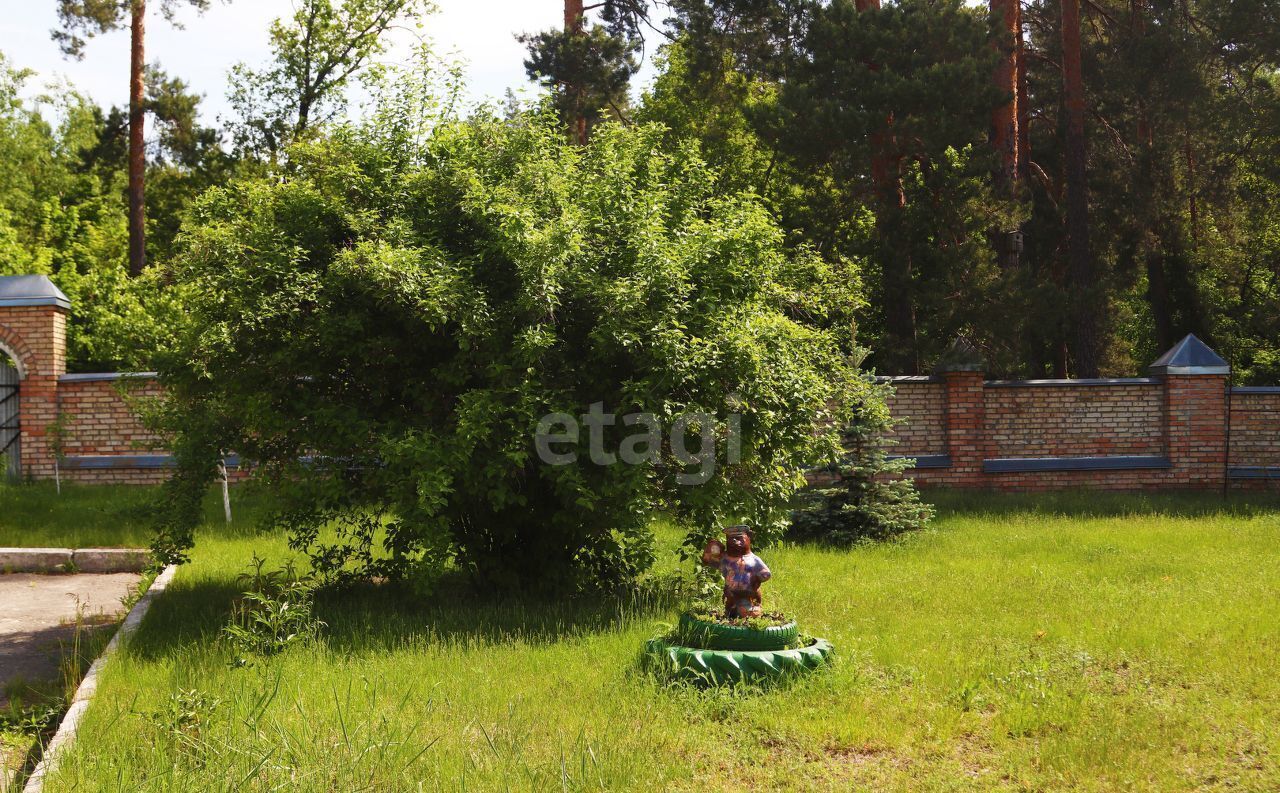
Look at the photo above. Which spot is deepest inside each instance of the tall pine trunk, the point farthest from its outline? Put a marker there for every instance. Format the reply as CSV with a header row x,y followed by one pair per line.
x,y
137,143
573,24
1083,311
1152,246
1007,15
1024,109
1004,119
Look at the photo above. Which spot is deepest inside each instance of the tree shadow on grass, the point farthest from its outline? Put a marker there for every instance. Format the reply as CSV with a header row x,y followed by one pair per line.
x,y
375,617
188,614
371,617
1093,504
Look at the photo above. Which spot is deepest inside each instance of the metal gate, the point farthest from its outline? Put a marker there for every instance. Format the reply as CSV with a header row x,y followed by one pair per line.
x,y
10,429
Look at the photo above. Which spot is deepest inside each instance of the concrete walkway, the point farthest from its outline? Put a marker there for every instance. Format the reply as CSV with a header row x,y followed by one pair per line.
x,y
38,616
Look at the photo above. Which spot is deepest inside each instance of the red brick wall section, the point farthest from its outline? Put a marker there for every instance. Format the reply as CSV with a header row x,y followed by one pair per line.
x,y
1075,420
966,419
922,404
1255,429
1196,409
1180,419
101,418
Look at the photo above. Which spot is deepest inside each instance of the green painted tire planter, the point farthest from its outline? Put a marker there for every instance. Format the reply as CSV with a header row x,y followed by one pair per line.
x,y
702,633
733,666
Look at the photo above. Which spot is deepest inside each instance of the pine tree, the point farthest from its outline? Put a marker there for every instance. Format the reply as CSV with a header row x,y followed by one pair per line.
x,y
589,69
865,496
1085,311
83,19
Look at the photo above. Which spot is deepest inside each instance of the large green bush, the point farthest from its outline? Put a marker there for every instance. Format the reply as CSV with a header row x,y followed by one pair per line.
x,y
381,327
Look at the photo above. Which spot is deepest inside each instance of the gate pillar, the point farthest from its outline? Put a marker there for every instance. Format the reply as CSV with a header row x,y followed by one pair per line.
x,y
33,333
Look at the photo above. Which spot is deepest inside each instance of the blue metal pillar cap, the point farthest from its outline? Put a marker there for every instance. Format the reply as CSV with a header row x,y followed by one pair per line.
x,y
1190,356
31,290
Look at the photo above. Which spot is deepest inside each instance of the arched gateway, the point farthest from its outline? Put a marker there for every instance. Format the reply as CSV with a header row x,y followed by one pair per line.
x,y
10,426
33,332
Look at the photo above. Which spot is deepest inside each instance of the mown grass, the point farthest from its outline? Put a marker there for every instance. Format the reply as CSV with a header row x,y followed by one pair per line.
x,y
86,516
1075,642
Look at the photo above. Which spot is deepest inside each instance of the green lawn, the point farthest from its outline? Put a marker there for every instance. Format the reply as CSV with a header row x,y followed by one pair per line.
x,y
83,516
1078,642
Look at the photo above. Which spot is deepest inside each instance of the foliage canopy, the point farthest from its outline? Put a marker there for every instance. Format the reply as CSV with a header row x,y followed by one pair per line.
x,y
317,53
382,332
62,214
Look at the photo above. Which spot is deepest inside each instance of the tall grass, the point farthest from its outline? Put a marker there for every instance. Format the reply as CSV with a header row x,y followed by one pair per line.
x,y
1071,643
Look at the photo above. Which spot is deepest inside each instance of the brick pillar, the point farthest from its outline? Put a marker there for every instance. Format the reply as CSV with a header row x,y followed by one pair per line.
x,y
961,368
33,329
1195,399
44,328
1196,430
966,426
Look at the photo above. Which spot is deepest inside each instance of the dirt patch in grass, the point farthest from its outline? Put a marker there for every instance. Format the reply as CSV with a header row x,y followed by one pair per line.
x,y
14,751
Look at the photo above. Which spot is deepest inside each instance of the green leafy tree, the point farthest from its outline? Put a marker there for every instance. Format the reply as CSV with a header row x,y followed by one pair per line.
x,y
383,332
718,109
63,218
317,54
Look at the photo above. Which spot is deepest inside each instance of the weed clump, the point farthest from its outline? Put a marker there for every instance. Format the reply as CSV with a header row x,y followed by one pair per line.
x,y
275,612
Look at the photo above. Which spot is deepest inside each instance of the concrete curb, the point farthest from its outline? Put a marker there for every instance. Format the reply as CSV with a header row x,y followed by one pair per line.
x,y
80,560
80,702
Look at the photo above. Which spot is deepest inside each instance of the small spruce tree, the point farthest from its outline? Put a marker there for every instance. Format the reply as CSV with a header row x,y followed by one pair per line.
x,y
865,496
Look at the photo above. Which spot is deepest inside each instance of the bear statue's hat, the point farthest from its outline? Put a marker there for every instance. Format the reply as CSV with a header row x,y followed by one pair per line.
x,y
741,528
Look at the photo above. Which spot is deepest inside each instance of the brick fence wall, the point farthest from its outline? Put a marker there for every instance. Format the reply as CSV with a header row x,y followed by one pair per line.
x,y
105,440
1132,434
1255,433
82,427
1183,428
1123,418
920,405
1168,432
